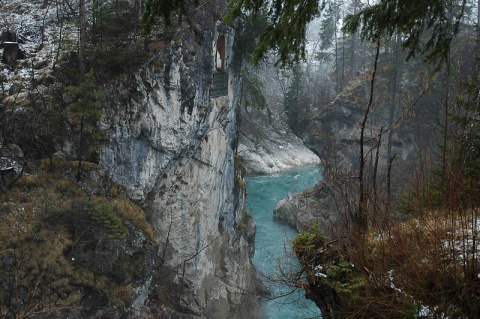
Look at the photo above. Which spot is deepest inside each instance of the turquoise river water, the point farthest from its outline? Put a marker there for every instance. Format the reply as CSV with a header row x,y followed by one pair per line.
x,y
273,240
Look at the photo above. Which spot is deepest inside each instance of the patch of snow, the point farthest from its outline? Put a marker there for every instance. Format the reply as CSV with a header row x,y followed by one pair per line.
x,y
464,241
37,31
428,312
390,279
318,272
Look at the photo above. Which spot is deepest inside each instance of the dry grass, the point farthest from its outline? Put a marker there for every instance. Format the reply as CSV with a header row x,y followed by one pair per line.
x,y
131,212
36,237
426,260
429,260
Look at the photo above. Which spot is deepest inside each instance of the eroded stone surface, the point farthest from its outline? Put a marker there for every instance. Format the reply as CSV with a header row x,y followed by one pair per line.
x,y
171,146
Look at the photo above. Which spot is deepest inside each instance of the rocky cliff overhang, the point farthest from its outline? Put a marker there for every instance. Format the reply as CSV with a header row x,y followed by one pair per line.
x,y
171,144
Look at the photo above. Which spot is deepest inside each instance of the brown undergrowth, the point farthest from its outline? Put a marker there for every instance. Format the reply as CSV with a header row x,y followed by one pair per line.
x,y
420,263
58,238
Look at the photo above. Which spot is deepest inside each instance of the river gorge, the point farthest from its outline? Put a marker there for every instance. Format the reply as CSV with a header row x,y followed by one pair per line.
x,y
156,172
273,240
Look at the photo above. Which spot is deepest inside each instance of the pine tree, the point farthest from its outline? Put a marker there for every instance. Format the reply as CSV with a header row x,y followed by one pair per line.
x,y
86,113
329,35
155,9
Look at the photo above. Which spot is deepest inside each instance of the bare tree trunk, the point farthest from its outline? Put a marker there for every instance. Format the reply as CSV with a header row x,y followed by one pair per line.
x,y
80,149
83,35
374,177
137,7
343,58
392,112
337,86
46,6
445,121
361,218
352,47
60,37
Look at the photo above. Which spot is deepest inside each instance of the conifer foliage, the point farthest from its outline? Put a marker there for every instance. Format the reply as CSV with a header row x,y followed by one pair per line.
x,y
428,26
287,29
86,113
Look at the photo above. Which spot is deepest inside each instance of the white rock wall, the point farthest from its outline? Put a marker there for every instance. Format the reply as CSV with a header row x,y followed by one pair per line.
x,y
177,159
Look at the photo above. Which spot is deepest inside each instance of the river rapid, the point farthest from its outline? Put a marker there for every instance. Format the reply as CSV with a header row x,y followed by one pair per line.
x,y
273,247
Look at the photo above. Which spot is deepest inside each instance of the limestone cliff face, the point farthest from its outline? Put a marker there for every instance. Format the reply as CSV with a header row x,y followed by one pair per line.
x,y
172,147
266,143
270,146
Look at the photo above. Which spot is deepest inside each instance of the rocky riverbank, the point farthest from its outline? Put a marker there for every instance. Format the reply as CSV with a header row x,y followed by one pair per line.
x,y
266,149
